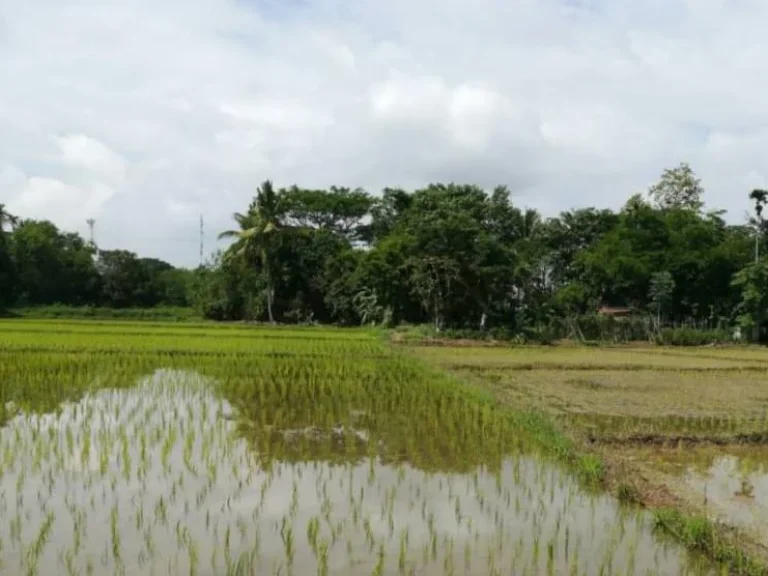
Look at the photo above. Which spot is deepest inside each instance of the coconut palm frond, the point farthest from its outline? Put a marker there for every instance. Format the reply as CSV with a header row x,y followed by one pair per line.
x,y
229,234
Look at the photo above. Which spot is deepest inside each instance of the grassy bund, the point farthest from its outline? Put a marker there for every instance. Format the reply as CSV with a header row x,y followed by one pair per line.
x,y
149,448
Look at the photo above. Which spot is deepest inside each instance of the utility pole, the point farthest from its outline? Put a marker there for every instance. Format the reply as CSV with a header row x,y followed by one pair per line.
x,y
202,239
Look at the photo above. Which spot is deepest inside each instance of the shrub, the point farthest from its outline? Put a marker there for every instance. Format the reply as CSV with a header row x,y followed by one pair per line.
x,y
692,337
627,494
170,313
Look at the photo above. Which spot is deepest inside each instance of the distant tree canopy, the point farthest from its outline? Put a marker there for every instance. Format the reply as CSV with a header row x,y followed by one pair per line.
x,y
678,188
449,254
40,265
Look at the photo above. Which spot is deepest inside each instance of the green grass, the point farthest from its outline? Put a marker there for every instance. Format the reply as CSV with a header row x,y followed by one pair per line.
x,y
701,534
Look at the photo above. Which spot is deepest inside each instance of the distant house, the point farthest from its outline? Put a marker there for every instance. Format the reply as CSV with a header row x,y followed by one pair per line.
x,y
616,312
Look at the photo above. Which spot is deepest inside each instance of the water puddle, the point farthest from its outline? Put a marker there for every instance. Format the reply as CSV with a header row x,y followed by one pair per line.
x,y
730,482
160,479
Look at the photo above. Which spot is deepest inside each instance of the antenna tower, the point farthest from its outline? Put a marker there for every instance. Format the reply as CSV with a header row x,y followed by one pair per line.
x,y
91,223
202,239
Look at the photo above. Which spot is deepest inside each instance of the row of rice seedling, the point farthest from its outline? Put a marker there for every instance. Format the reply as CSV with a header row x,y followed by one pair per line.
x,y
181,343
166,329
64,325
334,457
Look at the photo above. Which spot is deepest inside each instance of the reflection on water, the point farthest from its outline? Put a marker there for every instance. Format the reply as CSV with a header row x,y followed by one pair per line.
x,y
734,488
157,480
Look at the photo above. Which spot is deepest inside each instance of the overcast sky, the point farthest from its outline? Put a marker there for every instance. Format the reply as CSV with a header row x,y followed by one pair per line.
x,y
145,113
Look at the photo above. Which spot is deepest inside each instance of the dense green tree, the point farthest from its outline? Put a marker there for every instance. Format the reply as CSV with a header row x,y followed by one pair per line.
x,y
130,281
452,255
123,278
383,270
571,233
388,211
752,281
338,210
344,289
678,188
303,275
173,287
7,264
660,292
52,267
618,267
227,289
455,259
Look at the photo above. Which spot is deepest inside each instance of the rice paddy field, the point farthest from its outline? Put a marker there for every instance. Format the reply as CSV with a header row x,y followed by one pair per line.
x,y
194,449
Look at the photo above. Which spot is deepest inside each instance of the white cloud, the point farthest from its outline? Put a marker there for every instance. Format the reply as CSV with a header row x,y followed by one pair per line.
x,y
146,114
69,206
410,99
474,111
12,180
279,115
93,156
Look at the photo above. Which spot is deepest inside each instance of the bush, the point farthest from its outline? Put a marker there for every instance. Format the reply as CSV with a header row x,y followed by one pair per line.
x,y
692,337
590,330
627,494
168,313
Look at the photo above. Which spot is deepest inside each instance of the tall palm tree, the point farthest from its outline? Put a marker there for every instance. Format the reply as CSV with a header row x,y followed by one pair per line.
x,y
258,230
760,198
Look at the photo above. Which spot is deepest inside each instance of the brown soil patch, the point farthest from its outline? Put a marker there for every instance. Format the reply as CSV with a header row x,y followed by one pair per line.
x,y
663,440
620,471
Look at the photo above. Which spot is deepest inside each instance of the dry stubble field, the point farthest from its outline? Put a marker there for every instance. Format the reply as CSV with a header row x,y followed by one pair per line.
x,y
686,428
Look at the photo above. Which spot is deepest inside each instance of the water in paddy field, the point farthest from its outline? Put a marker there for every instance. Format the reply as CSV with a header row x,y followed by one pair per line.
x,y
735,492
158,479
730,482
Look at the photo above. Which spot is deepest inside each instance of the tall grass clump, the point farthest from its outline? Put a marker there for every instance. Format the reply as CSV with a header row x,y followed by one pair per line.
x,y
693,337
701,534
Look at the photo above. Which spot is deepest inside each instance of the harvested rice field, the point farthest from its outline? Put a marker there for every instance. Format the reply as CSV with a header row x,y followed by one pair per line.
x,y
679,430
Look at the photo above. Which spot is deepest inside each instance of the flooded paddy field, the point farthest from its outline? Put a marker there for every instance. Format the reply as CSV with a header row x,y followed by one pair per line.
x,y
175,449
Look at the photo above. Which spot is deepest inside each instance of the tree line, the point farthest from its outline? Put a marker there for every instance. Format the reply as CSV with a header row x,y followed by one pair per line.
x,y
452,255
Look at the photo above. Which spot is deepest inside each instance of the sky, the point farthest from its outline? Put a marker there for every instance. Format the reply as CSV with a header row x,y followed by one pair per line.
x,y
144,114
